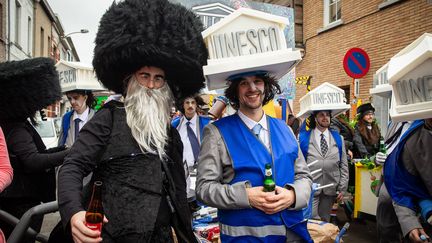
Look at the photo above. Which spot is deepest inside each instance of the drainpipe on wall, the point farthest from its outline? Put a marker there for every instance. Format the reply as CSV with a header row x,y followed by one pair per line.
x,y
9,31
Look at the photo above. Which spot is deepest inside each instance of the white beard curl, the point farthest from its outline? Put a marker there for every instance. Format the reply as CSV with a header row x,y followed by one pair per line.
x,y
148,116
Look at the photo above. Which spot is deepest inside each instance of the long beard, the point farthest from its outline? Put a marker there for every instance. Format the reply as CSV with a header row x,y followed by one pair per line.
x,y
147,115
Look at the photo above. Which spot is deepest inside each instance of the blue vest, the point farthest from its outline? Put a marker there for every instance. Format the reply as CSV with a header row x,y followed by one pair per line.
x,y
249,156
404,188
304,138
65,126
203,121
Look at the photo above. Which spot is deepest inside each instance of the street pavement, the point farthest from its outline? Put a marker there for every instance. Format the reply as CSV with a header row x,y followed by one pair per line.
x,y
360,230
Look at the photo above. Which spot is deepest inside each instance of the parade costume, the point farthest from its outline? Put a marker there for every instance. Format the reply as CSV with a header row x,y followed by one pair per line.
x,y
138,185
334,167
26,87
416,184
238,162
126,173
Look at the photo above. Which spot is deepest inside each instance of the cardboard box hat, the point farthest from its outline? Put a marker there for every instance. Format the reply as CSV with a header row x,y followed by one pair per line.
x,y
324,97
76,75
410,75
245,41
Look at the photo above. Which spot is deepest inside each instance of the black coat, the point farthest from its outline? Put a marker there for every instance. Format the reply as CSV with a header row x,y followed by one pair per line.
x,y
33,165
132,181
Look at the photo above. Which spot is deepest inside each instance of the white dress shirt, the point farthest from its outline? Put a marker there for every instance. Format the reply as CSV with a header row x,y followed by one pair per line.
x,y
264,134
83,117
317,137
187,147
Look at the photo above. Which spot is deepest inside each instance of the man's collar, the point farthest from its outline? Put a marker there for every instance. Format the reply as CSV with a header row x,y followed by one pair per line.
x,y
251,123
192,120
83,116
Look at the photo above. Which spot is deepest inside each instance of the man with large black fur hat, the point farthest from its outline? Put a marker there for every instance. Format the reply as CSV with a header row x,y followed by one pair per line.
x,y
151,52
26,87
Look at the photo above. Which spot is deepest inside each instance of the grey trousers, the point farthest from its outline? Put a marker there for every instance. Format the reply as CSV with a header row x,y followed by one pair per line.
x,y
322,205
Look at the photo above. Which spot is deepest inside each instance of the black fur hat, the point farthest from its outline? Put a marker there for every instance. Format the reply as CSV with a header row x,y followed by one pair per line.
x,y
363,109
27,86
135,33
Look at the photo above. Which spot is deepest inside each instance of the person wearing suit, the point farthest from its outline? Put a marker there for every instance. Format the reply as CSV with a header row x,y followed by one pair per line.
x,y
232,162
325,145
82,102
190,127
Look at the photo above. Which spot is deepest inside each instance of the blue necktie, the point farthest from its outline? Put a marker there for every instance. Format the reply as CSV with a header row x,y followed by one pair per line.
x,y
77,122
257,129
193,141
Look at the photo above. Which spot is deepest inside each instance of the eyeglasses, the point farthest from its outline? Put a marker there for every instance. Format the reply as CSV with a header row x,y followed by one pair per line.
x,y
157,81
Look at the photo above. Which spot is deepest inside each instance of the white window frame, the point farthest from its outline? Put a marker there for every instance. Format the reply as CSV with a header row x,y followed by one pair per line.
x,y
327,12
29,35
356,87
18,12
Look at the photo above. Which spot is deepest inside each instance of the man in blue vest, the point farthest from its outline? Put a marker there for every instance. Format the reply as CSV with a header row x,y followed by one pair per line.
x,y
409,158
82,103
231,168
325,146
190,127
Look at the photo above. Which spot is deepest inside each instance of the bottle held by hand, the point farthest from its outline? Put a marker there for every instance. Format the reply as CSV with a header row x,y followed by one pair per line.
x,y
95,214
269,184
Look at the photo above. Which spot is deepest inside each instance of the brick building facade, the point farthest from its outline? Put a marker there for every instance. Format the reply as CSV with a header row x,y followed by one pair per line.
x,y
381,28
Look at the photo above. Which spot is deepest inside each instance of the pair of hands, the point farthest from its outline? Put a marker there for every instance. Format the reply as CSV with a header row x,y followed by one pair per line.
x,y
415,235
270,202
80,232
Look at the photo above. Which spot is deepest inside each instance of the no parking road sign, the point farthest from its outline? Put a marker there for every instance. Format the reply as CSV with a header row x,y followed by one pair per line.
x,y
356,63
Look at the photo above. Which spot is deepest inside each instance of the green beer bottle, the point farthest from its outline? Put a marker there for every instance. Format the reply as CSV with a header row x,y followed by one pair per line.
x,y
382,147
269,184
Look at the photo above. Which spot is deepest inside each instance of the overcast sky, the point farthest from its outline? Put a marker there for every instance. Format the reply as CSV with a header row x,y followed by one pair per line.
x,y
81,14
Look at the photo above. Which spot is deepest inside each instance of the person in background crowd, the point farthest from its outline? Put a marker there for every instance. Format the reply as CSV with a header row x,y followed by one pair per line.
x,y
34,179
6,172
231,167
366,133
190,127
82,103
327,146
340,124
148,51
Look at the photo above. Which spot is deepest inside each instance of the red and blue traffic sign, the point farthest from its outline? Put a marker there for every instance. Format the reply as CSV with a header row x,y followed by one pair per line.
x,y
356,63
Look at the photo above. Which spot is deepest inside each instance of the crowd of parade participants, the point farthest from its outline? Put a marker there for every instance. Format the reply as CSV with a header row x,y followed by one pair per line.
x,y
145,154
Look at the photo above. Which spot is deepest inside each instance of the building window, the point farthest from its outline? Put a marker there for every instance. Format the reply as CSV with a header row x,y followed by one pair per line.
x,y
357,87
42,42
1,21
17,22
29,36
332,11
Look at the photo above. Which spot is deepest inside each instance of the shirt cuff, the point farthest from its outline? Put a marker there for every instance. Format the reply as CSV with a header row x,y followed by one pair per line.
x,y
291,187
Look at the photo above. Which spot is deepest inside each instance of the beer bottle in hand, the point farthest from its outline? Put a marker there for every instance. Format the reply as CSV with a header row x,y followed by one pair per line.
x,y
94,215
269,184
382,147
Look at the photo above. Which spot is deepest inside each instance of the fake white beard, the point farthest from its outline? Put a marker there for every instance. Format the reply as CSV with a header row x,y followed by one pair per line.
x,y
148,116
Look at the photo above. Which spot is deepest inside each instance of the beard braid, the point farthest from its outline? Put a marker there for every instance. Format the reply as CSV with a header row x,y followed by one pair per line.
x,y
148,116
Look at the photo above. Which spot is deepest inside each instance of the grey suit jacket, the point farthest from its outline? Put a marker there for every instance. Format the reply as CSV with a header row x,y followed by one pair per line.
x,y
215,171
333,171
